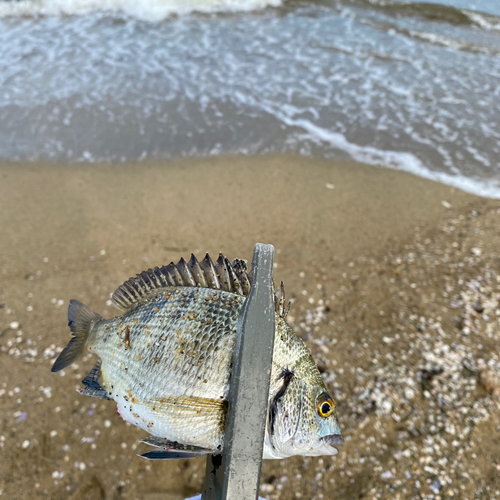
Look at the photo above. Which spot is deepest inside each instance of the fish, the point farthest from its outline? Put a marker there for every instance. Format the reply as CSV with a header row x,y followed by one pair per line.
x,y
166,362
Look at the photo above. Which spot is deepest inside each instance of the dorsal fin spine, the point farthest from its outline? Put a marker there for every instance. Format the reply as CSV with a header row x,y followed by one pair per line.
x,y
166,276
240,269
186,273
208,269
144,280
231,277
158,277
279,300
197,272
176,275
129,290
150,279
223,274
235,282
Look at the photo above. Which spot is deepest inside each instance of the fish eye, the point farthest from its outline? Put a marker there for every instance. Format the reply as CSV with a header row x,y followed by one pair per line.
x,y
324,405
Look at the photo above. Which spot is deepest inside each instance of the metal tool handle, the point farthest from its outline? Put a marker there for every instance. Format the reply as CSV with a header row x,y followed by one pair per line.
x,y
235,474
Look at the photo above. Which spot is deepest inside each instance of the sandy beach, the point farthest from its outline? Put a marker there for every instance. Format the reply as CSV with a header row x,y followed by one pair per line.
x,y
394,281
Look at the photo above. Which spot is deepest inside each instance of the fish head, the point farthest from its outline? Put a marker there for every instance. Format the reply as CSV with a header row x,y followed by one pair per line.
x,y
302,414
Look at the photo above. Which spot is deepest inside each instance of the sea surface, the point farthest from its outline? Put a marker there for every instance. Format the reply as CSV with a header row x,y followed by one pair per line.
x,y
411,85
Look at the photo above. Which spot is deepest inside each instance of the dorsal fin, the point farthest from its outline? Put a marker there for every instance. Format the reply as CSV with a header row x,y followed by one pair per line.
x,y
222,275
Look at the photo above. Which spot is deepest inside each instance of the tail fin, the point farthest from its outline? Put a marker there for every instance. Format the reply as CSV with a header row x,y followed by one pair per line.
x,y
81,320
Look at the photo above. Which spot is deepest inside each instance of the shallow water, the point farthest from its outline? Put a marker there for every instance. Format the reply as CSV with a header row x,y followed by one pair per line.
x,y
413,86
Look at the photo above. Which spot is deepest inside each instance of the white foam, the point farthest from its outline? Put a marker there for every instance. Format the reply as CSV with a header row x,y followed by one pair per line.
x,y
485,21
149,10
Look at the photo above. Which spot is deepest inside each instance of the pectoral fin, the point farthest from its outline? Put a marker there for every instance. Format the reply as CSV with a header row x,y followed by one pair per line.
x,y
194,420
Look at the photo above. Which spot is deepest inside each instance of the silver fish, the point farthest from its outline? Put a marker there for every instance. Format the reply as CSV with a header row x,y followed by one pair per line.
x,y
166,362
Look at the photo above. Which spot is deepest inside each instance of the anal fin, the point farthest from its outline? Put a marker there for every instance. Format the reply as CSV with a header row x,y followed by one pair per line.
x,y
92,385
171,450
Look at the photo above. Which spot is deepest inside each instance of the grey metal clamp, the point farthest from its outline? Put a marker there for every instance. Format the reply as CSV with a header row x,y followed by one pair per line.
x,y
235,474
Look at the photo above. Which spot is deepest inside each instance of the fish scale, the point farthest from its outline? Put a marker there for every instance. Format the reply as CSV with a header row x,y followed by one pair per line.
x,y
166,362
202,325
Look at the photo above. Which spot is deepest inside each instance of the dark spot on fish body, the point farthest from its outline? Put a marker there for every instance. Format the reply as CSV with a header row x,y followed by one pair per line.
x,y
127,338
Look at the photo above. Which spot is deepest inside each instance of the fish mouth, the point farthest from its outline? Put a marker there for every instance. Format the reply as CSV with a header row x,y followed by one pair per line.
x,y
333,439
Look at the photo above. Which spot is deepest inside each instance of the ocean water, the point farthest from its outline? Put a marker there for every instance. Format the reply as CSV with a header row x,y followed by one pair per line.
x,y
406,85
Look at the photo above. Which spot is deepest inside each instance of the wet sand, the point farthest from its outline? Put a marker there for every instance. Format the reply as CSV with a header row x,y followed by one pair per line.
x,y
79,231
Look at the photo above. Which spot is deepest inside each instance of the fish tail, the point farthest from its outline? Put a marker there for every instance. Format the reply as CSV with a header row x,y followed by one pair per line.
x,y
81,320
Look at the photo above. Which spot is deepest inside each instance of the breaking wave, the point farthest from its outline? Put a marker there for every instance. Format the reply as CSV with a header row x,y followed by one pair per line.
x,y
436,12
149,10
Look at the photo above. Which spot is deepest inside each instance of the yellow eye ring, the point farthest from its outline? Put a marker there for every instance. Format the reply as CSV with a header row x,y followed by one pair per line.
x,y
324,405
